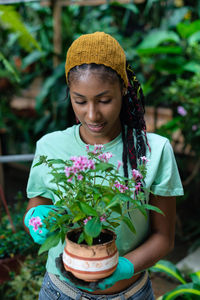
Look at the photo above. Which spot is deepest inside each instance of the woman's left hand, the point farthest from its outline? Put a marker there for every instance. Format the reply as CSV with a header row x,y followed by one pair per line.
x,y
125,270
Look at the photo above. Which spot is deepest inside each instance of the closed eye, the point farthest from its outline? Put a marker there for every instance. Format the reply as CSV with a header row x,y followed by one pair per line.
x,y
105,101
81,103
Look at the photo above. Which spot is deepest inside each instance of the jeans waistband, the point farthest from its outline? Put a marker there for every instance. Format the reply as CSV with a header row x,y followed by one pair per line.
x,y
73,292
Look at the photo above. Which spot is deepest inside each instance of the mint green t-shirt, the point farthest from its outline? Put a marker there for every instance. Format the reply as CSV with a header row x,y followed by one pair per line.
x,y
162,179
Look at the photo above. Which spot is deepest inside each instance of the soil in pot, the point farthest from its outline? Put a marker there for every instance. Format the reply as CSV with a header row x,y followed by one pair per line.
x,y
91,263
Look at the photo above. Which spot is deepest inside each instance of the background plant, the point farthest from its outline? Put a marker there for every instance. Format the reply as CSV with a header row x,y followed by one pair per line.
x,y
25,285
188,288
18,242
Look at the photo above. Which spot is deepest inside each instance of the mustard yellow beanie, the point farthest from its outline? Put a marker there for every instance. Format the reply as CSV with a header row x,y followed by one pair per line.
x,y
98,48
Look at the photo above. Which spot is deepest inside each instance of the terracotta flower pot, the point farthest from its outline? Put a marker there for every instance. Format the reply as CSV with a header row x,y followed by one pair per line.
x,y
90,263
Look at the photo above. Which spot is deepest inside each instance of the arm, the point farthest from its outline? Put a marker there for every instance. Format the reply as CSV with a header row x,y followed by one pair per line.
x,y
161,239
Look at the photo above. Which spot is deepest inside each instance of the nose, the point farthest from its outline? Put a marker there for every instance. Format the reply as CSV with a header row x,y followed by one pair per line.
x,y
93,112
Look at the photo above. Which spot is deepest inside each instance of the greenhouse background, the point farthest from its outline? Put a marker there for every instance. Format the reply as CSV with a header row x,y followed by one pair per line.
x,y
162,43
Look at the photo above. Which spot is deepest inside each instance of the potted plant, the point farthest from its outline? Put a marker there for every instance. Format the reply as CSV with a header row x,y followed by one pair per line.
x,y
93,199
14,244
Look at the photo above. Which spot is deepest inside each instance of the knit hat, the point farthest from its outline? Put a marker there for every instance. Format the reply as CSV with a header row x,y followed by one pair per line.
x,y
98,48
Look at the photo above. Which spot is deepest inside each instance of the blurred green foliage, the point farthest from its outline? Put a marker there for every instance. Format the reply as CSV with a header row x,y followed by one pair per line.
x,y
159,38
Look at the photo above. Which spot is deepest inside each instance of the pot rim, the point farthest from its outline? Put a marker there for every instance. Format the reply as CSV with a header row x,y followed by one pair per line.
x,y
112,233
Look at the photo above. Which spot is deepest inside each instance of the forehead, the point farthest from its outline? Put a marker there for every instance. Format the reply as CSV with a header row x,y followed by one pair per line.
x,y
93,80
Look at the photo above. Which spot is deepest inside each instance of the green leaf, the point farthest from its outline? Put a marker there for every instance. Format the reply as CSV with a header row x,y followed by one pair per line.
x,y
190,288
186,30
87,209
78,217
128,222
12,19
103,167
31,58
168,268
195,277
154,208
56,161
117,208
160,50
194,38
50,242
49,83
93,227
88,239
157,37
192,66
9,67
81,238
118,198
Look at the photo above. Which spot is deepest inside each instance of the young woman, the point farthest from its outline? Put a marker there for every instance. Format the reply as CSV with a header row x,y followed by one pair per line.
x,y
108,103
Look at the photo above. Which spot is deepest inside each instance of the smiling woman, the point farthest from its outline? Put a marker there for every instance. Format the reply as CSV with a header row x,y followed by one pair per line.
x,y
108,102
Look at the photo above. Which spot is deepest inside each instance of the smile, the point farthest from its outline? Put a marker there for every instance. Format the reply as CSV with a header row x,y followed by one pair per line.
x,y
96,127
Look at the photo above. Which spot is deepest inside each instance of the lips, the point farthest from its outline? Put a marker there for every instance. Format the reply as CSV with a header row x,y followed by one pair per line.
x,y
96,127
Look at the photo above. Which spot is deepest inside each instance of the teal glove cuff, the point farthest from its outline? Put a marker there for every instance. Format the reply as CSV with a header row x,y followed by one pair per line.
x,y
125,270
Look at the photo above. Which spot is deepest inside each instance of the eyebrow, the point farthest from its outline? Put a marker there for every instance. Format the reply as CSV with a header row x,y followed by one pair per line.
x,y
97,96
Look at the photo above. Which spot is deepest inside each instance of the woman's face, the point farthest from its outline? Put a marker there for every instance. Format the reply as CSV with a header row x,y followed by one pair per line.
x,y
97,104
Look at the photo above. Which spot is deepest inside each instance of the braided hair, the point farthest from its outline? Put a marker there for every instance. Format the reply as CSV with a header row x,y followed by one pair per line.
x,y
132,112
132,115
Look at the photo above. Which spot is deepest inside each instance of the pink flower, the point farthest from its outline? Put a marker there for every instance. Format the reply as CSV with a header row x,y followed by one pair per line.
x,y
119,164
122,188
194,127
36,223
136,175
87,219
80,177
103,218
137,187
181,110
105,156
97,149
144,160
80,163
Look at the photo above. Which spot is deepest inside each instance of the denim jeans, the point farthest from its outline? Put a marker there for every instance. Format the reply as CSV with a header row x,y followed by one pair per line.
x,y
49,291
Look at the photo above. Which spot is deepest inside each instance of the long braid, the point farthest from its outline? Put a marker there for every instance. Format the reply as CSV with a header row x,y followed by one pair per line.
x,y
132,115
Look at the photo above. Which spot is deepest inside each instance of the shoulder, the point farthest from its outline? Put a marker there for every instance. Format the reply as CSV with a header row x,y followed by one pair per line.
x,y
158,142
57,142
57,136
154,138
159,146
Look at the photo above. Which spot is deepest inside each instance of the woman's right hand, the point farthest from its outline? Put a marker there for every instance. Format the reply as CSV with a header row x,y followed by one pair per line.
x,y
41,211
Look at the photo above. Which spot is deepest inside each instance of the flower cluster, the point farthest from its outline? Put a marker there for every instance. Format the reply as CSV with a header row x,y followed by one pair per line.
x,y
36,223
105,156
121,187
80,164
97,149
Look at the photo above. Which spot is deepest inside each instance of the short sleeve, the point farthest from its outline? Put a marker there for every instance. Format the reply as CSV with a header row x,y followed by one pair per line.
x,y
38,177
167,180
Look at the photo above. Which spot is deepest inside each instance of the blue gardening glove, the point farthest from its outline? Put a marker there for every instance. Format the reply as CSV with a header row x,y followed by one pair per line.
x,y
125,270
34,221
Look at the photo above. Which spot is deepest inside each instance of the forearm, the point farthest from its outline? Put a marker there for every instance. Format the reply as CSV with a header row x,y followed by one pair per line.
x,y
161,239
153,249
